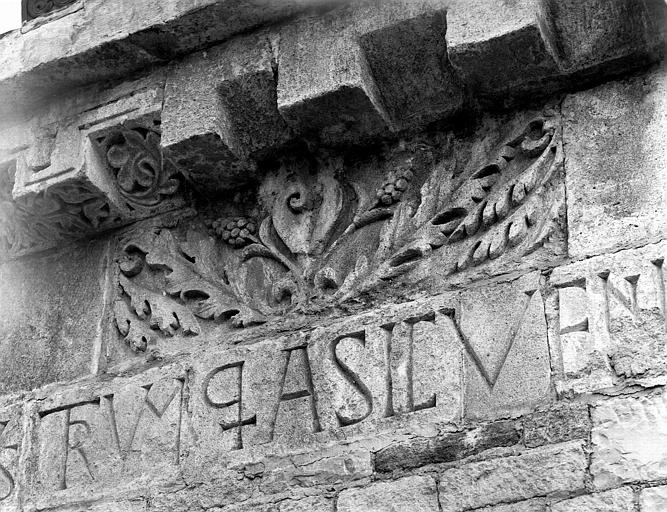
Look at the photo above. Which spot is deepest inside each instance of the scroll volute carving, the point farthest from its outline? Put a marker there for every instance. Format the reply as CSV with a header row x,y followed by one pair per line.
x,y
134,159
323,231
33,9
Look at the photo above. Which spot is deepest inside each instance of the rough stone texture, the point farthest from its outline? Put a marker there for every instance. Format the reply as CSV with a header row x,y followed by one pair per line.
x,y
615,161
559,423
10,452
548,470
485,36
85,165
325,83
629,440
366,301
610,319
653,499
537,505
220,107
314,504
617,500
589,32
415,493
101,440
56,337
108,40
507,368
408,62
445,448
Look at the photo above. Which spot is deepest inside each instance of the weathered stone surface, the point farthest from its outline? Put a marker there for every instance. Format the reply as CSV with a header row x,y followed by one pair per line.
x,y
542,471
629,441
559,423
507,368
11,440
616,159
617,500
139,505
498,49
323,231
313,504
590,32
325,84
52,307
445,448
653,499
414,493
105,440
220,107
86,166
409,64
610,319
360,375
536,505
108,40
375,67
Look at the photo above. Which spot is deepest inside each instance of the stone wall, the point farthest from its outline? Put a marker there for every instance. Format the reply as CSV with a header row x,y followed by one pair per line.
x,y
334,257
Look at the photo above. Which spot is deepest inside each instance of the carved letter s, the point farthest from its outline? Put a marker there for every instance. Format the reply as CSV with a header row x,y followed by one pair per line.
x,y
350,376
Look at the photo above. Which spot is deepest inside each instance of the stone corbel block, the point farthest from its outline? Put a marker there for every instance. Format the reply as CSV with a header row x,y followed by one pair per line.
x,y
583,34
408,61
498,48
220,111
325,85
375,68
93,171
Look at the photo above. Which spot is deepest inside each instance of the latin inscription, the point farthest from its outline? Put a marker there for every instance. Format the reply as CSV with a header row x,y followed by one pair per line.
x,y
347,379
612,320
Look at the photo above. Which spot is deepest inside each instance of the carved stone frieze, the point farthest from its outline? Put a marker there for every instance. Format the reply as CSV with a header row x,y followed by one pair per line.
x,y
77,183
318,231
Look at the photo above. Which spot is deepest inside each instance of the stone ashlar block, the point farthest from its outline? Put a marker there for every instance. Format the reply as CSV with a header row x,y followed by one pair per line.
x,y
629,440
408,61
585,33
609,320
420,451
543,471
220,108
653,499
561,422
507,367
361,72
413,493
95,168
276,407
498,48
616,500
535,505
325,85
51,310
616,161
107,440
112,39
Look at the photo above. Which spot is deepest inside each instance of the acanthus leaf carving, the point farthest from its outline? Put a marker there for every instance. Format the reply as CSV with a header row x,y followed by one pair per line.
x,y
188,286
321,236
